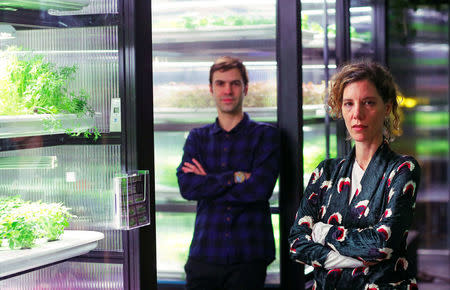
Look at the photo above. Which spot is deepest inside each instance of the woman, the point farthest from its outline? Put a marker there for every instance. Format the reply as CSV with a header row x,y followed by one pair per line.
x,y
353,220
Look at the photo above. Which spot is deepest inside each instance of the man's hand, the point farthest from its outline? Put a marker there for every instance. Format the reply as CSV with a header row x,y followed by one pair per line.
x,y
194,167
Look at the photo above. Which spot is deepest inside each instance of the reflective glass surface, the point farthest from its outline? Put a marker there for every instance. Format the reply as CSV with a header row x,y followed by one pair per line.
x,y
418,57
187,38
319,63
185,43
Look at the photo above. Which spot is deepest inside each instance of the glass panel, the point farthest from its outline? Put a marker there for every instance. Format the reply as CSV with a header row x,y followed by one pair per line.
x,y
80,178
186,41
59,73
96,62
169,146
69,275
314,145
362,29
319,63
175,230
187,38
418,57
273,271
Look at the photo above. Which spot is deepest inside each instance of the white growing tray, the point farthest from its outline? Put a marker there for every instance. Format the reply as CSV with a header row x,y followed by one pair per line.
x,y
45,4
32,125
71,244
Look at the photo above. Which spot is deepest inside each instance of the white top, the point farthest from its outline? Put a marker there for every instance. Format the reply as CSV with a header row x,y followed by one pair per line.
x,y
357,174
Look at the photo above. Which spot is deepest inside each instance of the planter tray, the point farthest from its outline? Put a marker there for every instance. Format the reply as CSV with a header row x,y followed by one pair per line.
x,y
208,115
45,4
71,244
220,33
34,125
318,42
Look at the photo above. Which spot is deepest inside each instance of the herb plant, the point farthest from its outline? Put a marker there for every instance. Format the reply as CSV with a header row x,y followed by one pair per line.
x,y
23,222
20,232
32,85
52,223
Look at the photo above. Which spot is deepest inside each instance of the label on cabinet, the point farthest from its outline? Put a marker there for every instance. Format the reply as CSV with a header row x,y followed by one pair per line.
x,y
114,120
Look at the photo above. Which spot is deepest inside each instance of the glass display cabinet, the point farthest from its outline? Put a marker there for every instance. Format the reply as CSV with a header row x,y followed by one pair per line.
x,y
419,58
66,71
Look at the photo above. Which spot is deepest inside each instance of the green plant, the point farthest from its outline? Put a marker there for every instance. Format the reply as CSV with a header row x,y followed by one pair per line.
x,y
20,232
191,22
32,85
23,222
178,95
6,205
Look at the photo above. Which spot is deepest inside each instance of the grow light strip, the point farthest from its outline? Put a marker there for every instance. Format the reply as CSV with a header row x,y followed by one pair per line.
x,y
28,162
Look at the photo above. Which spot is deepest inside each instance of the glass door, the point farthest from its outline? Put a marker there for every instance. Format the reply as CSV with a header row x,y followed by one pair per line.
x,y
367,33
318,25
318,64
62,96
187,38
419,59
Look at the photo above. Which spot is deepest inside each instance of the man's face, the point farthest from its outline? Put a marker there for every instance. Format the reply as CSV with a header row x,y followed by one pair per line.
x,y
228,90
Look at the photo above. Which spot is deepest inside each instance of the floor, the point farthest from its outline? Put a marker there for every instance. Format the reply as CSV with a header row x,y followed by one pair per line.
x,y
434,269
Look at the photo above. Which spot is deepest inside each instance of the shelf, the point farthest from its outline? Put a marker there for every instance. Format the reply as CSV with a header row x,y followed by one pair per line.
x,y
206,115
316,40
66,5
235,33
10,144
34,125
28,19
71,244
167,119
196,43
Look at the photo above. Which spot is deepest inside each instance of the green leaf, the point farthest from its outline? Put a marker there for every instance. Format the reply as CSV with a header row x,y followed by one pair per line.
x,y
34,85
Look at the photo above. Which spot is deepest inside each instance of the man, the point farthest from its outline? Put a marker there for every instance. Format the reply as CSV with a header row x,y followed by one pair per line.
x,y
230,168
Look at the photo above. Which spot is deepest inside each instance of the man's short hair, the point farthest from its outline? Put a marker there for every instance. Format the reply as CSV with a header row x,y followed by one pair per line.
x,y
225,63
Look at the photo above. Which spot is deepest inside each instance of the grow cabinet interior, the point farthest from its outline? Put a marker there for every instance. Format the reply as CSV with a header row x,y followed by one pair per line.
x,y
59,72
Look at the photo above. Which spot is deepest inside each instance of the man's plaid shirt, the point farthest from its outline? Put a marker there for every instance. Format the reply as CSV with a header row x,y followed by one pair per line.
x,y
233,223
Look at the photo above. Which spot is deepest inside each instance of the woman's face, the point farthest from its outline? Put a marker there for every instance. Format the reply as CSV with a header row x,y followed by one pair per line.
x,y
364,112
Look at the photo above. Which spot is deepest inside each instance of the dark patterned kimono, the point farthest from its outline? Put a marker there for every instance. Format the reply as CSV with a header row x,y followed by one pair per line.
x,y
372,228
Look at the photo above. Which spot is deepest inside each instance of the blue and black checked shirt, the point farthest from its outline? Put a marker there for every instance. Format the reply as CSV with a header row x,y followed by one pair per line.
x,y
233,223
